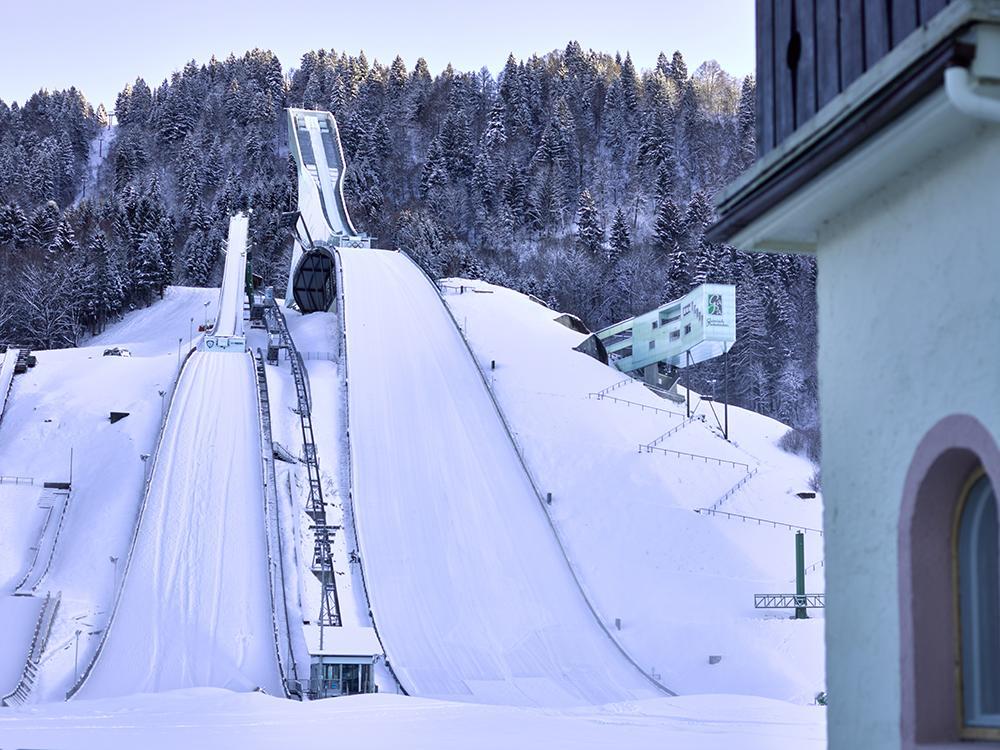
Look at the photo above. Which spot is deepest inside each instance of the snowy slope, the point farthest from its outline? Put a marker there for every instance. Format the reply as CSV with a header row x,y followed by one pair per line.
x,y
471,596
194,608
206,719
682,584
62,405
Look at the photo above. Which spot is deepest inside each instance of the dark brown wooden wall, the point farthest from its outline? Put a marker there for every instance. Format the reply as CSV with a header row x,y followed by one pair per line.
x,y
808,51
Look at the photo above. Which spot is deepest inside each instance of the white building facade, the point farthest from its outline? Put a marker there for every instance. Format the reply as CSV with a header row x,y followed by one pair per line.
x,y
904,220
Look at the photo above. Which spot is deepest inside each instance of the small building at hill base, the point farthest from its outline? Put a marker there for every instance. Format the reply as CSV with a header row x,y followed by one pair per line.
x,y
342,660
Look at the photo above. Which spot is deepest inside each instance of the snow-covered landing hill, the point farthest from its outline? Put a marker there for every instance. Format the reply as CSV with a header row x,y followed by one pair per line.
x,y
681,583
64,404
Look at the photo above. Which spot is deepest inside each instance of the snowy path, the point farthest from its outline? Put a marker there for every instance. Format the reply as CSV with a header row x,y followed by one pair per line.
x,y
471,596
194,609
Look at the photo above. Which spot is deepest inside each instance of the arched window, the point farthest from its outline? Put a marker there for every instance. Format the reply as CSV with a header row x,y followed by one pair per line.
x,y
977,563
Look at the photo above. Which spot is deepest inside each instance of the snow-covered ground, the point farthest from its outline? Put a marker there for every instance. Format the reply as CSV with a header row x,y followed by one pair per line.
x,y
206,719
682,584
60,407
194,608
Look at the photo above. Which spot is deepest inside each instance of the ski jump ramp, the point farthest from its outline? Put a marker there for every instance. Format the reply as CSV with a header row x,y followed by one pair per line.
x,y
471,594
194,607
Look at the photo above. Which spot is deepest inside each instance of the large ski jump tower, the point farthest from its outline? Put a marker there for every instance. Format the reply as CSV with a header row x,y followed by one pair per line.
x,y
322,222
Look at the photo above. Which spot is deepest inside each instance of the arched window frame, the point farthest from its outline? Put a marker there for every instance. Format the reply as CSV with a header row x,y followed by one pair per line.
x,y
966,730
942,462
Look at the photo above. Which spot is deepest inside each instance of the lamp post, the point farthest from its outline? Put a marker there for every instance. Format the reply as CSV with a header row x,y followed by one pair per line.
x,y
206,312
76,657
191,331
180,340
114,561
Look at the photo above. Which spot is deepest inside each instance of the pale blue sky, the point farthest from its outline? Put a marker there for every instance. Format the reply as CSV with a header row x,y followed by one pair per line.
x,y
100,46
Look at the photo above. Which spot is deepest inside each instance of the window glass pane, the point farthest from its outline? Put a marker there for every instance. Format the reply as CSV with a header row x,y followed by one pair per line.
x,y
979,605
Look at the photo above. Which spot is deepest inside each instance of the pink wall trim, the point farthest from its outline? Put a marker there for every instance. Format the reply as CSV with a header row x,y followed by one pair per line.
x,y
943,460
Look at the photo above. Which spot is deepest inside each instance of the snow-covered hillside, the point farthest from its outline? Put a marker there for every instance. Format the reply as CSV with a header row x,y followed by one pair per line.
x,y
681,583
61,406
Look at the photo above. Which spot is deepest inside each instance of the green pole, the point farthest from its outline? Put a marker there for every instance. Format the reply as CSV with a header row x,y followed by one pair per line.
x,y
800,574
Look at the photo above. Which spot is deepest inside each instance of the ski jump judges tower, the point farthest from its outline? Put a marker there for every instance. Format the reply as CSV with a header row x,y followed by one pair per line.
x,y
657,345
314,142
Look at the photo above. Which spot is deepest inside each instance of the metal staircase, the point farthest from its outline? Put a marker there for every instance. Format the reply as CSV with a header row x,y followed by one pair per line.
x,y
40,639
322,563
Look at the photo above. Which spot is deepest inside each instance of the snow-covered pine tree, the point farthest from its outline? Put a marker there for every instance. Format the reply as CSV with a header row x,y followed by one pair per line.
x,y
620,240
589,234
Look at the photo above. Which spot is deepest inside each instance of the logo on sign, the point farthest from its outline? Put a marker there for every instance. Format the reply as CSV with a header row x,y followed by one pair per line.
x,y
715,304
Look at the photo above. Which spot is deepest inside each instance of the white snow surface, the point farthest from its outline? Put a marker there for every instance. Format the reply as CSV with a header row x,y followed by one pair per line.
x,y
682,584
62,405
194,610
471,596
210,719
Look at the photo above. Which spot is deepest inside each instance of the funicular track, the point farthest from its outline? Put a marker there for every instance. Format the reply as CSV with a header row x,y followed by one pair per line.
x,y
322,561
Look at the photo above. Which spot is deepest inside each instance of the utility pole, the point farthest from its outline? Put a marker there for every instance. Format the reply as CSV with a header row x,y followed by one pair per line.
x,y
800,576
725,360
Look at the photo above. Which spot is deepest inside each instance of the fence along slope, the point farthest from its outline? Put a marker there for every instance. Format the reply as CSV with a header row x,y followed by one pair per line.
x,y
472,594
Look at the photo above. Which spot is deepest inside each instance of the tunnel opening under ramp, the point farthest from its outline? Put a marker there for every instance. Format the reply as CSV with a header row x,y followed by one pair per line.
x,y
314,284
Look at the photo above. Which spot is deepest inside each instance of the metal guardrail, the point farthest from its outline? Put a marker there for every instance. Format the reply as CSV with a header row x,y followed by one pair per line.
x,y
276,578
758,521
30,573
693,456
812,568
155,456
676,428
39,640
534,485
15,480
735,488
789,601
644,407
614,387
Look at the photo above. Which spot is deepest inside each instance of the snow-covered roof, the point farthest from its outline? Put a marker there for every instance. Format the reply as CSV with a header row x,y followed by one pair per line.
x,y
342,641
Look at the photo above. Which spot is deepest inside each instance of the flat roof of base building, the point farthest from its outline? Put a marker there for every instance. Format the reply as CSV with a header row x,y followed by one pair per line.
x,y
342,641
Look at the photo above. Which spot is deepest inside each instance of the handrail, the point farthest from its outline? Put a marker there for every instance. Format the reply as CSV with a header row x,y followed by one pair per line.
x,y
5,479
272,536
534,485
644,407
692,456
55,542
656,441
735,488
760,521
614,386
344,369
154,457
39,640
